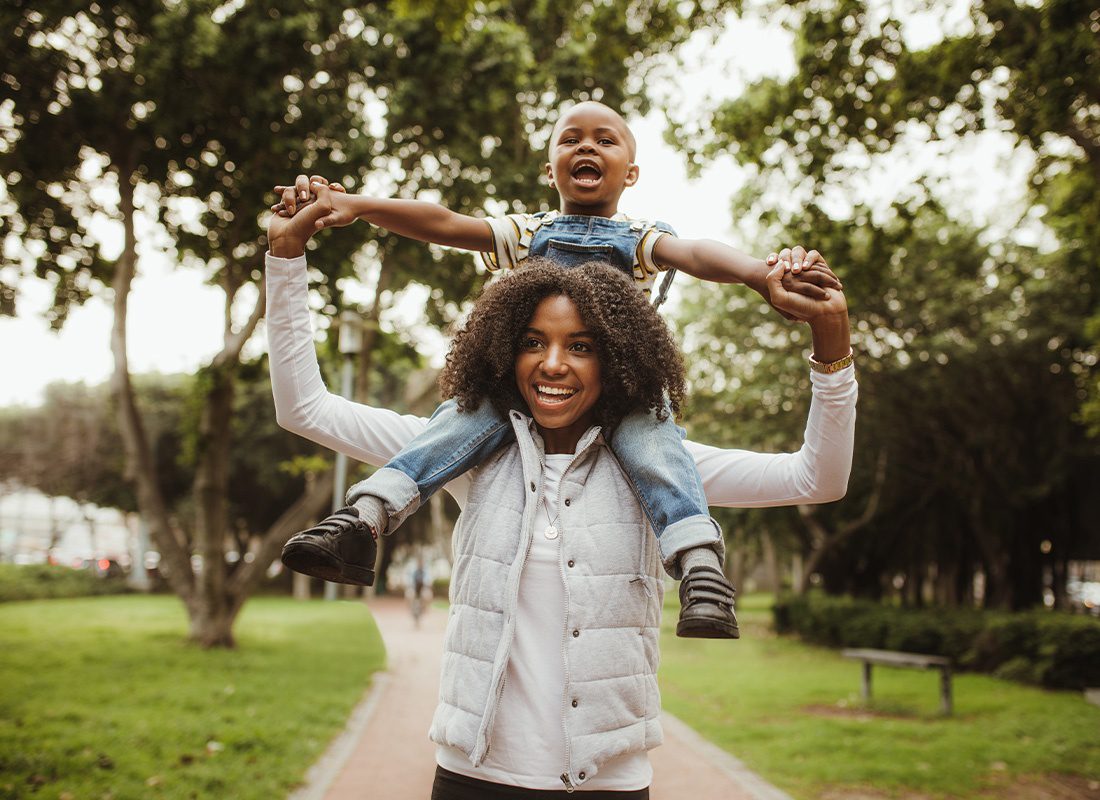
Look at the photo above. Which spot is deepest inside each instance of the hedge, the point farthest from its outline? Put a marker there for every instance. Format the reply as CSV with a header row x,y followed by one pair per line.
x,y
1056,650
42,581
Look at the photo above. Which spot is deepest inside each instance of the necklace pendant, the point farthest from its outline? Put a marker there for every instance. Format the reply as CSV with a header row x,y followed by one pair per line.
x,y
551,532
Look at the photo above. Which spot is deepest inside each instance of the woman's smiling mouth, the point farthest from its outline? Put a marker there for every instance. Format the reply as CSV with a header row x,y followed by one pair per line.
x,y
553,395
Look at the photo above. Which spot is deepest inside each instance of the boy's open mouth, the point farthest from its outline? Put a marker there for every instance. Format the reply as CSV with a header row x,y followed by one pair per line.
x,y
586,172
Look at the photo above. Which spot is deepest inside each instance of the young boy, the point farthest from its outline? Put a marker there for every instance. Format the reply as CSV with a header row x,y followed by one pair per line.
x,y
591,163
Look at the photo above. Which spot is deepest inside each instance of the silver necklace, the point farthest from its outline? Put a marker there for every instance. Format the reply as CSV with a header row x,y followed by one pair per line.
x,y
551,531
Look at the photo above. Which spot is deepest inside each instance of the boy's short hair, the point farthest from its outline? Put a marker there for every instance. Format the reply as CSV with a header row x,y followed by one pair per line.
x,y
568,106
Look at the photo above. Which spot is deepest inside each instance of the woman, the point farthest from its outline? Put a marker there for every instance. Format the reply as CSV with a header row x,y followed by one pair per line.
x,y
550,657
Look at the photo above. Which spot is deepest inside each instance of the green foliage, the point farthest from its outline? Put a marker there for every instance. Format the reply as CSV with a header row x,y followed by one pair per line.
x,y
41,581
69,446
792,713
860,91
975,350
968,391
126,708
1050,649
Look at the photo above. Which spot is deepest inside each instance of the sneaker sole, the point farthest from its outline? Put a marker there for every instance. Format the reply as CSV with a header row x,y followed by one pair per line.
x,y
317,562
706,628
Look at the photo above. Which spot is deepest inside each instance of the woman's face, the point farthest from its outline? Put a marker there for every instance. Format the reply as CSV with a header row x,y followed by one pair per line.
x,y
558,373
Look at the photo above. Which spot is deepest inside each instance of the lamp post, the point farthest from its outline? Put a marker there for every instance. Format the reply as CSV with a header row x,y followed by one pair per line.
x,y
349,343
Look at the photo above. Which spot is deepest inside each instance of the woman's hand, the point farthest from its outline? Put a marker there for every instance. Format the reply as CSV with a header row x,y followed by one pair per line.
x,y
806,267
292,197
287,235
827,317
829,302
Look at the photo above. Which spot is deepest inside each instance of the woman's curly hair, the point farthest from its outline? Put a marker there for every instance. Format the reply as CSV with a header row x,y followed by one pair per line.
x,y
640,364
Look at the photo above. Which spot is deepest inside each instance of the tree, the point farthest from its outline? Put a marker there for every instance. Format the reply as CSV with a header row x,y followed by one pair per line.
x,y
188,111
975,348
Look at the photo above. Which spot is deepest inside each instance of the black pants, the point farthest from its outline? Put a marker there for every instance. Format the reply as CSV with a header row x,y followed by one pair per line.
x,y
451,786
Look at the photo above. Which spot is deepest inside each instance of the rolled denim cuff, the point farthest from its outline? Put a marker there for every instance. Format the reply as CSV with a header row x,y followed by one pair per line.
x,y
395,489
698,531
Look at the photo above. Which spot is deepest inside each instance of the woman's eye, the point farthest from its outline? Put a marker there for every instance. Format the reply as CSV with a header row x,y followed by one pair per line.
x,y
605,140
531,344
582,347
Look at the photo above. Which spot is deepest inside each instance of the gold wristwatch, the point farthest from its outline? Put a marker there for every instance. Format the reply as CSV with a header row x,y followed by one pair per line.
x,y
832,366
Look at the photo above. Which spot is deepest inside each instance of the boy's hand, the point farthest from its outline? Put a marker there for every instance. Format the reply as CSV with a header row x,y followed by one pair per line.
x,y
287,236
797,305
330,207
808,267
804,273
291,198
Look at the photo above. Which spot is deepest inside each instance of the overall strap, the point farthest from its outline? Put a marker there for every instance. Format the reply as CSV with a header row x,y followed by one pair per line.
x,y
662,293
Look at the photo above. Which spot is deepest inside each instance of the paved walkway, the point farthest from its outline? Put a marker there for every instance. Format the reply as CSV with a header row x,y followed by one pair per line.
x,y
385,752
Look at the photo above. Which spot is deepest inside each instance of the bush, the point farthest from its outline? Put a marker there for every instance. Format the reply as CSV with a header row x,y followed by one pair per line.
x,y
1056,650
42,581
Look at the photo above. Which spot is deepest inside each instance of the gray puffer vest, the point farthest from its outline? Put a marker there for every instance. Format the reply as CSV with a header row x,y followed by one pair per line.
x,y
614,588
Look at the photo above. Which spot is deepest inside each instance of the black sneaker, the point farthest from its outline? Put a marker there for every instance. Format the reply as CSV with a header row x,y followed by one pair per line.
x,y
340,548
706,606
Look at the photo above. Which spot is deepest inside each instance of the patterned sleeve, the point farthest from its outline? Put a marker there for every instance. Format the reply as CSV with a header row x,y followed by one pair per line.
x,y
511,240
644,255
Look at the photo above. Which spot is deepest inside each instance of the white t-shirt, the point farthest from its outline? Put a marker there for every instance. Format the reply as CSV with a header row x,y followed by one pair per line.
x,y
528,744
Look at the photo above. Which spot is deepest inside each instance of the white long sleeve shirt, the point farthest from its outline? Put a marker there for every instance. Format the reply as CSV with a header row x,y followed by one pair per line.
x,y
816,473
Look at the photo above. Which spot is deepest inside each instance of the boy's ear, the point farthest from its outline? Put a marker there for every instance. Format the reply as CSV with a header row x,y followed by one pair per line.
x,y
631,175
550,174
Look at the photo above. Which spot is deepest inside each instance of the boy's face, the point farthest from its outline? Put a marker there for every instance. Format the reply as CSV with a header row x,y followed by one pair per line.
x,y
591,160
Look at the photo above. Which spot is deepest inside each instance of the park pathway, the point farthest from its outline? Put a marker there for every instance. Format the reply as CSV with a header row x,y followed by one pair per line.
x,y
385,752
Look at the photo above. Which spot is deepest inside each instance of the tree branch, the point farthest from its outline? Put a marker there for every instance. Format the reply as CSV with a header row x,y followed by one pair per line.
x,y
313,502
819,534
1083,140
235,342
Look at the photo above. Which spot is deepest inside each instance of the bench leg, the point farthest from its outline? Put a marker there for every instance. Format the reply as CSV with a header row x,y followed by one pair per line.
x,y
945,690
866,681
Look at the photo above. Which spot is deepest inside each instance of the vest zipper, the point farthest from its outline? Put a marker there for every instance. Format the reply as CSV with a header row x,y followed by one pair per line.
x,y
569,787
564,657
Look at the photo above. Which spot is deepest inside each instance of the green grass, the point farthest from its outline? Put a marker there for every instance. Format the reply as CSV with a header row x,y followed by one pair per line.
x,y
792,713
103,697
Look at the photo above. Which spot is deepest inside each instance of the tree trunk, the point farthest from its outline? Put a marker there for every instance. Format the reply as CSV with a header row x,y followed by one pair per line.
x,y
370,336
771,563
212,621
212,624
141,468
798,571
735,567
312,505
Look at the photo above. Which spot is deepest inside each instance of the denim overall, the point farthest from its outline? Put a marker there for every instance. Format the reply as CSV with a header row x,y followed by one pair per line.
x,y
650,451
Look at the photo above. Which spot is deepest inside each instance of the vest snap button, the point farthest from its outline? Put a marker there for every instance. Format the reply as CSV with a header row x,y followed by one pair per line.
x,y
570,562
567,502
576,633
580,775
574,704
532,486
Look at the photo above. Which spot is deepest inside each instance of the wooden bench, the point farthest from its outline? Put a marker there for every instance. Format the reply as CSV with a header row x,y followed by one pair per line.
x,y
893,658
